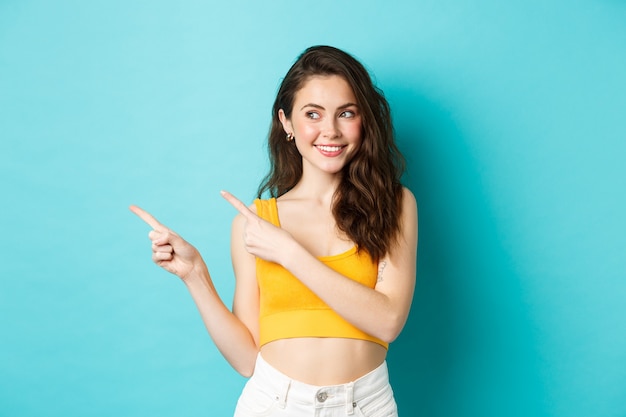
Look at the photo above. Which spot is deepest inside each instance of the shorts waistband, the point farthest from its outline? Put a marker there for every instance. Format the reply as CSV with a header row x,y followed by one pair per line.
x,y
288,389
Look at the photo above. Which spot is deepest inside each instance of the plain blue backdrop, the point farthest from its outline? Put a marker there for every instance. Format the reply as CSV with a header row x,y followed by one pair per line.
x,y
512,116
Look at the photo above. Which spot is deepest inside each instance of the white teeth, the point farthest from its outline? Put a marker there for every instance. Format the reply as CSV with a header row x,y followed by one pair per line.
x,y
329,148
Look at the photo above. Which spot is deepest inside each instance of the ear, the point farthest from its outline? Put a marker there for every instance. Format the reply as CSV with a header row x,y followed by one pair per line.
x,y
287,126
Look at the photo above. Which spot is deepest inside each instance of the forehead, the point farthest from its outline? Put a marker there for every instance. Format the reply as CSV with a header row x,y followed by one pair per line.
x,y
330,89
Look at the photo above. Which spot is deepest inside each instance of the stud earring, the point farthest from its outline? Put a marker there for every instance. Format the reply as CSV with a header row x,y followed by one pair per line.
x,y
290,137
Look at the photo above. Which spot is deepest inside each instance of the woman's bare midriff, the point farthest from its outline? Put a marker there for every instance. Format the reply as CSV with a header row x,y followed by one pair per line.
x,y
324,361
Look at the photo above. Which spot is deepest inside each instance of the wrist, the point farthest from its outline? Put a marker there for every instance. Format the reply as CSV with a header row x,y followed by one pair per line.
x,y
198,276
291,255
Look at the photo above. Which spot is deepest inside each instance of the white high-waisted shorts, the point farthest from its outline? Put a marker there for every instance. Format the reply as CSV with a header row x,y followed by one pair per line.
x,y
270,393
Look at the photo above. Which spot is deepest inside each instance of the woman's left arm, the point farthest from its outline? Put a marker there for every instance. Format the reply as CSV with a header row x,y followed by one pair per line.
x,y
380,312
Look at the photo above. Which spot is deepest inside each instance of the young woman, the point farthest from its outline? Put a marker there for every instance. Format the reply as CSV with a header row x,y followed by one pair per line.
x,y
325,268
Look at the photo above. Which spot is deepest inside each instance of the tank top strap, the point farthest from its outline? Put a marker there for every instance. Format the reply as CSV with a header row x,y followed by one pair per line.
x,y
268,210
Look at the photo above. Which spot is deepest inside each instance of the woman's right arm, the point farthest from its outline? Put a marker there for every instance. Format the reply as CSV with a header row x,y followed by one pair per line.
x,y
234,333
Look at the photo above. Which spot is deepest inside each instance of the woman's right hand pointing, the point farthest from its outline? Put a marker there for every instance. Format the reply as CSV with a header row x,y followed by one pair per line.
x,y
170,251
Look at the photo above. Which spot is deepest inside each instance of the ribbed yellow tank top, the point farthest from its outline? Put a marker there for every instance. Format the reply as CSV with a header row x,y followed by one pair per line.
x,y
288,309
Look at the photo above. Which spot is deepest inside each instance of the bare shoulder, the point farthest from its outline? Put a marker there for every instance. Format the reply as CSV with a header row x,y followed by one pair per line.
x,y
408,194
409,203
408,222
240,219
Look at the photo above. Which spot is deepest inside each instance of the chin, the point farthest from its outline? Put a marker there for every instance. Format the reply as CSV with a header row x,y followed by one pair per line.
x,y
333,169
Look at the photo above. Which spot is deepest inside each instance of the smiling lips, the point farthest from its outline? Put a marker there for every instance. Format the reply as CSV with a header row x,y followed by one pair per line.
x,y
328,150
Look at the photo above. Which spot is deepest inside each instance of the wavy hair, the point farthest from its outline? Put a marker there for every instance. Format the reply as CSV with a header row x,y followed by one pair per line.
x,y
368,201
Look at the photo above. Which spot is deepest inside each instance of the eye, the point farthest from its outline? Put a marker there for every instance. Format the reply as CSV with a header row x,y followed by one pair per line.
x,y
348,114
312,115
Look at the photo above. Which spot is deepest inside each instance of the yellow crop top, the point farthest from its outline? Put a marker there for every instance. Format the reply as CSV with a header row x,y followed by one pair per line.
x,y
289,309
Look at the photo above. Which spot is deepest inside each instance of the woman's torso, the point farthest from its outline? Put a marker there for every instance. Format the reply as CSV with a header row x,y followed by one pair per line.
x,y
319,361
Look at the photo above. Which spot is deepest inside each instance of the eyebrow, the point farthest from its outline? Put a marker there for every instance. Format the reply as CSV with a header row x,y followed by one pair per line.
x,y
317,106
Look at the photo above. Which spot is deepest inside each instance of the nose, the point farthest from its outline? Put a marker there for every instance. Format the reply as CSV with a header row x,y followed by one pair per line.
x,y
330,129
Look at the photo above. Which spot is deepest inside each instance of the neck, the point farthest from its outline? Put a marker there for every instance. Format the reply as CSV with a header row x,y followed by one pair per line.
x,y
319,186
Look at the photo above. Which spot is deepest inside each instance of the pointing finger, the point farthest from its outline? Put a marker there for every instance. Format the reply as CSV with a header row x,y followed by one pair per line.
x,y
241,207
147,217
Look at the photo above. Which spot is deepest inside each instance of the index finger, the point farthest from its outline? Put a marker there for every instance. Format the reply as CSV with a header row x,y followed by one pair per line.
x,y
241,207
147,217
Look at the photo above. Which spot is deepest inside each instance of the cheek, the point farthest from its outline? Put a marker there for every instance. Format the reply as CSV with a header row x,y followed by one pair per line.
x,y
307,131
355,132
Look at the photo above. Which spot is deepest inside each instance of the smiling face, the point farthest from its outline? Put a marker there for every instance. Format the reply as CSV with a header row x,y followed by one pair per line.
x,y
326,123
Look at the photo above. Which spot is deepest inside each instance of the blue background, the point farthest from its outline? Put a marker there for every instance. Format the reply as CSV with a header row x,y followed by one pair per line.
x,y
511,116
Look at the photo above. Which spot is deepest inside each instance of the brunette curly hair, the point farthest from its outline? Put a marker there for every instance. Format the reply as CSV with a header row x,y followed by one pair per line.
x,y
368,201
